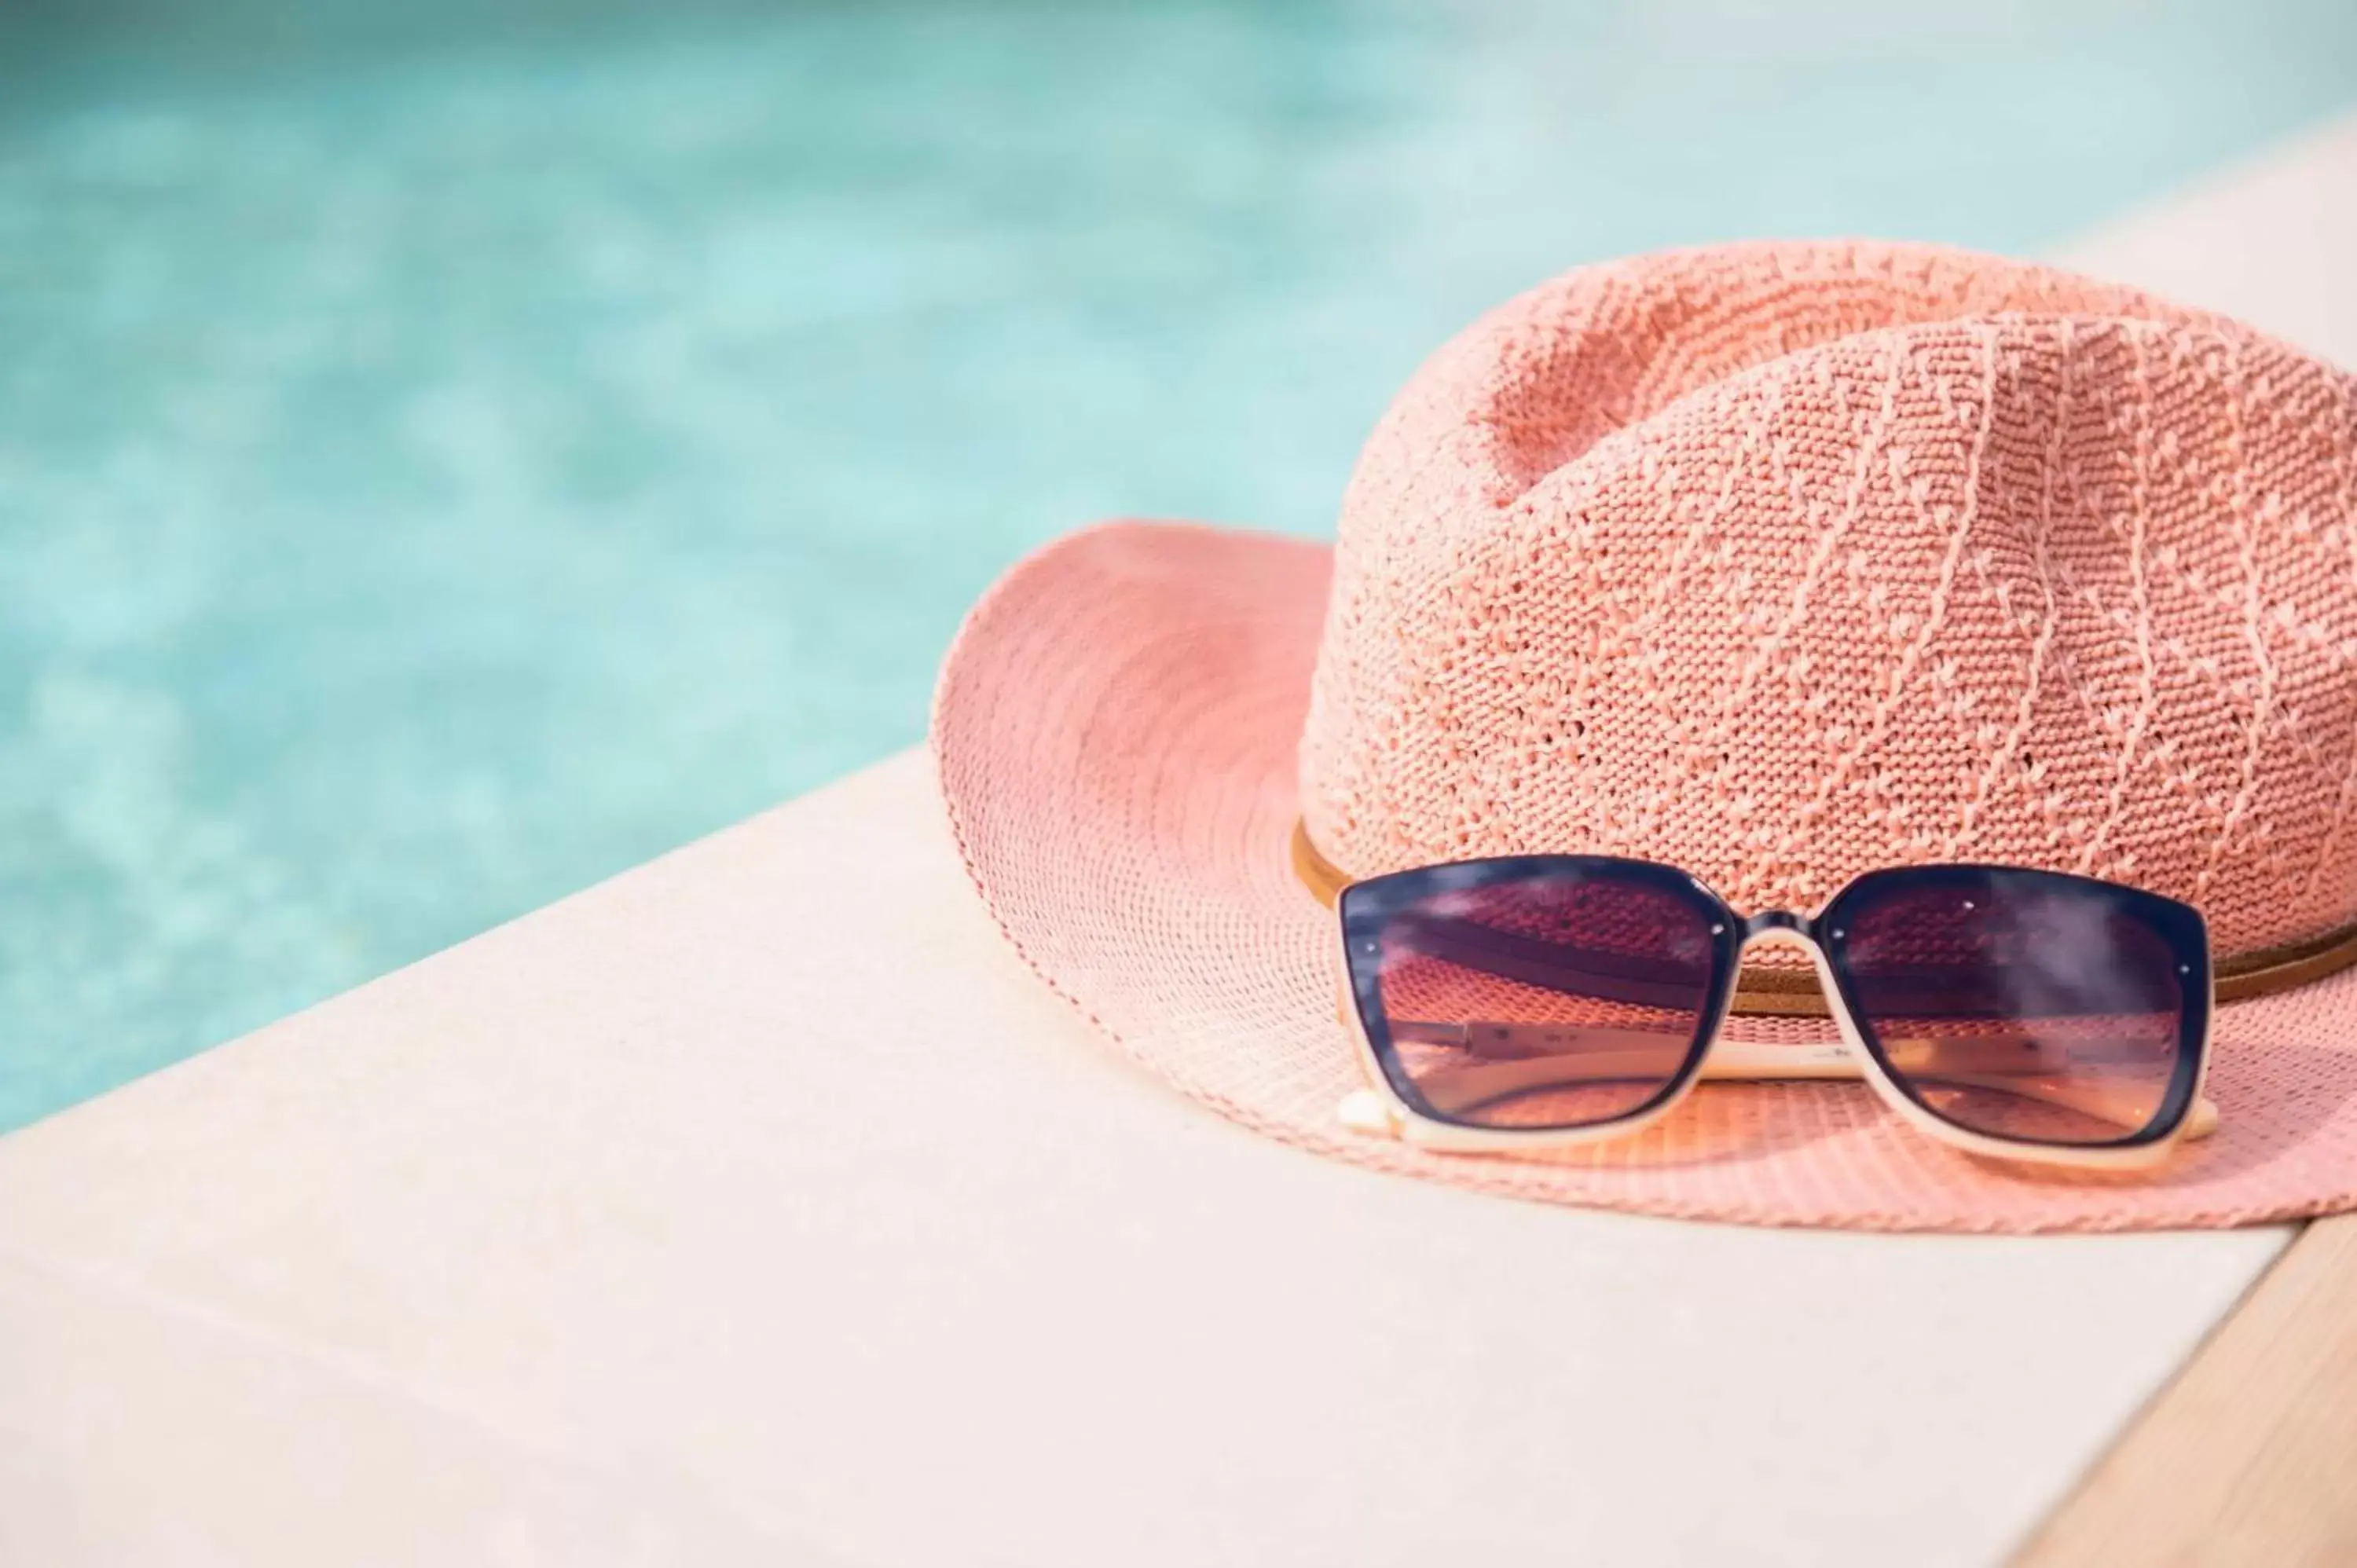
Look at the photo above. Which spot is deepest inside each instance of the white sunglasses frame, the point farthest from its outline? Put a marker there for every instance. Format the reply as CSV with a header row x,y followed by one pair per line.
x,y
1380,1109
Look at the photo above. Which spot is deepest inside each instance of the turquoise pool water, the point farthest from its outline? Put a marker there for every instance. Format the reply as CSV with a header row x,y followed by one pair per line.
x,y
451,452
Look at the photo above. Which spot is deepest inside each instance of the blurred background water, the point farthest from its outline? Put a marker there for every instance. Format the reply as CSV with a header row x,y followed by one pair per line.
x,y
450,452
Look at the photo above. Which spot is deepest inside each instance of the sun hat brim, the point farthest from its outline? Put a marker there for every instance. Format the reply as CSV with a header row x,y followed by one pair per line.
x,y
1115,729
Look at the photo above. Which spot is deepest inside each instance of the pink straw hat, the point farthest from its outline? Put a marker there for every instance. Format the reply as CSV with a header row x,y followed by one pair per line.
x,y
1778,562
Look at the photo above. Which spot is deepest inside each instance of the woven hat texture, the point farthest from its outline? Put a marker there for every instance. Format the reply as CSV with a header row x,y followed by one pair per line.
x,y
1775,561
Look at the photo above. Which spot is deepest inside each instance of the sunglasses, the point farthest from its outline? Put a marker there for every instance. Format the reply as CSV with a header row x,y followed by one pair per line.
x,y
1544,1000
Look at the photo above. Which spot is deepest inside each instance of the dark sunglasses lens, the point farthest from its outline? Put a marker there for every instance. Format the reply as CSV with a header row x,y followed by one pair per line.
x,y
1553,993
2023,1005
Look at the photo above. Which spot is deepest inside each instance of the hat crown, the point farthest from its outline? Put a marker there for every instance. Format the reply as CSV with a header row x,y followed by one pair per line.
x,y
1781,563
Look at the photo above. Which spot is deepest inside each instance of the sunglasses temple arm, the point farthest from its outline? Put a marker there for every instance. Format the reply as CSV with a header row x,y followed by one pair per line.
x,y
1730,1060
1742,1062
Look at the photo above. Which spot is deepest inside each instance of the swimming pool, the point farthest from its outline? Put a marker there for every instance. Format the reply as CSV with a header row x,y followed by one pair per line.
x,y
449,456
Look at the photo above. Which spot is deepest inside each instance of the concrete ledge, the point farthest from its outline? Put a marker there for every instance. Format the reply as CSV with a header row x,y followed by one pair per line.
x,y
760,1199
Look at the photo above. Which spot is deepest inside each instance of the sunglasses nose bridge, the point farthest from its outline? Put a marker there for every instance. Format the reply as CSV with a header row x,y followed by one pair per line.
x,y
1780,926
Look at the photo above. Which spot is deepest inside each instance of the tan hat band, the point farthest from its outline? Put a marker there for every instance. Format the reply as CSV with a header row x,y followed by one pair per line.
x,y
1793,993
